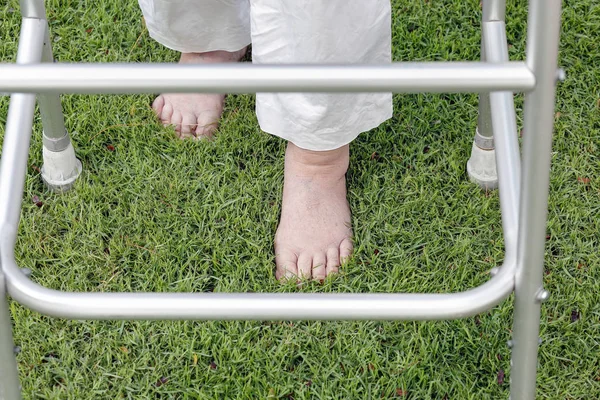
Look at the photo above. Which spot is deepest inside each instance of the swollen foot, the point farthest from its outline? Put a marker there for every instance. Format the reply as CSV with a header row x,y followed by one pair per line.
x,y
314,233
195,114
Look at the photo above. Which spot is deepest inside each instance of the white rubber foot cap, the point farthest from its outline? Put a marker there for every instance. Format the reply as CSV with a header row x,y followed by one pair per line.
x,y
60,169
481,168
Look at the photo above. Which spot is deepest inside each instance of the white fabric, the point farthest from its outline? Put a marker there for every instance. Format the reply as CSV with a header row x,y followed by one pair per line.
x,y
290,31
197,26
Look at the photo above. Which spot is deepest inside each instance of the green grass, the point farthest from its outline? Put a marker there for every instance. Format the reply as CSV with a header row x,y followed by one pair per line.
x,y
159,214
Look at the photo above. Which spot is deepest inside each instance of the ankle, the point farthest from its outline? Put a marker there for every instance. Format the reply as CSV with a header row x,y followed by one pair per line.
x,y
216,56
321,162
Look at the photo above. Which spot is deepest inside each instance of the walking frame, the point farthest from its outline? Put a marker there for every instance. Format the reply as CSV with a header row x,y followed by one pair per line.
x,y
523,191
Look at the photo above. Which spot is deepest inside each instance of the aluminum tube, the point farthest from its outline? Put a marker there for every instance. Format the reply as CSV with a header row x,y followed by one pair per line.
x,y
542,53
493,10
494,35
19,124
251,306
245,78
31,43
508,158
9,375
33,9
484,123
51,110
13,164
508,162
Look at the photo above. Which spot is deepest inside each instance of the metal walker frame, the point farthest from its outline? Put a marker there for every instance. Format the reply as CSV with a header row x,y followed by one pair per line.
x,y
523,191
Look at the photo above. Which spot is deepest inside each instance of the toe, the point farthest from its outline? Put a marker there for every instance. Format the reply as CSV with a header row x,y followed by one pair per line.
x,y
207,124
158,105
286,265
188,125
176,120
346,249
333,260
166,115
305,265
319,266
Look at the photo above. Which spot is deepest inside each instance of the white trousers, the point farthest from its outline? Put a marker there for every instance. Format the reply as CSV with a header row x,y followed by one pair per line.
x,y
290,32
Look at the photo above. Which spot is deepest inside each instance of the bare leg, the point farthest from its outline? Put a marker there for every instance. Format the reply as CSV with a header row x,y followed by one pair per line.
x,y
314,233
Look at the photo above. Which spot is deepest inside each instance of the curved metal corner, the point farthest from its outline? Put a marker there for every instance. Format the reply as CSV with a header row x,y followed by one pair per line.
x,y
254,306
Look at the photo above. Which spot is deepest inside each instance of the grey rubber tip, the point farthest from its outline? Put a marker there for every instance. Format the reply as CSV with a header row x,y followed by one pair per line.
x,y
66,183
481,168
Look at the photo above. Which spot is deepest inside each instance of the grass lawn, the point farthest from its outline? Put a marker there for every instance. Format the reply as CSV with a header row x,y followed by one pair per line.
x,y
153,213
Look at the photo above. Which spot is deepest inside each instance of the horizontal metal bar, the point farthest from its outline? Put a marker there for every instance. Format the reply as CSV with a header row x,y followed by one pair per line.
x,y
247,78
250,306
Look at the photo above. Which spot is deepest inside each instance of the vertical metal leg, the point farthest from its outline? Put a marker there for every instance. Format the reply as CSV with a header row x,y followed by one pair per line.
x,y
61,168
50,107
542,52
9,375
481,167
492,10
12,180
19,123
508,155
32,9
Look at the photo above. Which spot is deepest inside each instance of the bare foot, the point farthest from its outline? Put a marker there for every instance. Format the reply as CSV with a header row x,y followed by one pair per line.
x,y
314,233
195,114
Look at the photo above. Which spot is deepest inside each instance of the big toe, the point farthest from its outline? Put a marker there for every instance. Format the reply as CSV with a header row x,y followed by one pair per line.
x,y
286,262
167,113
158,104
